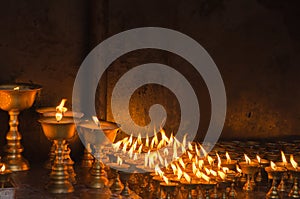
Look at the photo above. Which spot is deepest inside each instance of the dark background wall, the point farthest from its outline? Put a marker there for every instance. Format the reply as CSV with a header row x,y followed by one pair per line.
x,y
255,44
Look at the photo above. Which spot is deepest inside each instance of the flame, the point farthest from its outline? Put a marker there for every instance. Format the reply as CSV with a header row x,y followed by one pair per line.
x,y
181,163
258,159
238,169
194,168
198,174
139,139
228,157
210,160
135,157
203,151
248,160
205,177
273,165
60,109
2,169
212,172
95,119
225,169
207,171
140,149
119,160
293,162
219,161
17,88
174,168
190,146
200,164
117,145
197,151
190,155
158,171
147,141
222,175
187,177
165,179
283,158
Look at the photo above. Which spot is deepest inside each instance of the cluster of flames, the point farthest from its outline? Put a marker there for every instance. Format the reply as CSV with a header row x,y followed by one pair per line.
x,y
185,160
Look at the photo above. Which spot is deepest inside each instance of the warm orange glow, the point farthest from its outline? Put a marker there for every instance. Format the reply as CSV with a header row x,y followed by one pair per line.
x,y
228,157
293,162
258,158
60,109
283,158
2,169
248,160
17,88
273,165
222,175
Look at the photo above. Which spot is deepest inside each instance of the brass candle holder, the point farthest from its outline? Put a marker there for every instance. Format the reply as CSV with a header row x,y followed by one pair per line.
x,y
15,98
276,173
116,186
87,159
295,172
250,169
59,132
97,135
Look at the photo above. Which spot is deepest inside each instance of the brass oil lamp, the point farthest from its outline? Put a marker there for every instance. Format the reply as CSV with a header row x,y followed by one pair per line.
x,y
15,98
275,173
97,134
249,168
295,172
58,130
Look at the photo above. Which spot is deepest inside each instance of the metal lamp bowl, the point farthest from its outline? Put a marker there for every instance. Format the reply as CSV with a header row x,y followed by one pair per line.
x,y
62,130
92,134
17,99
249,169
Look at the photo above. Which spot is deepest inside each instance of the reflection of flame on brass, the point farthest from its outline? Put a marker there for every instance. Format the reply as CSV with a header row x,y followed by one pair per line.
x,y
293,162
17,88
225,169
